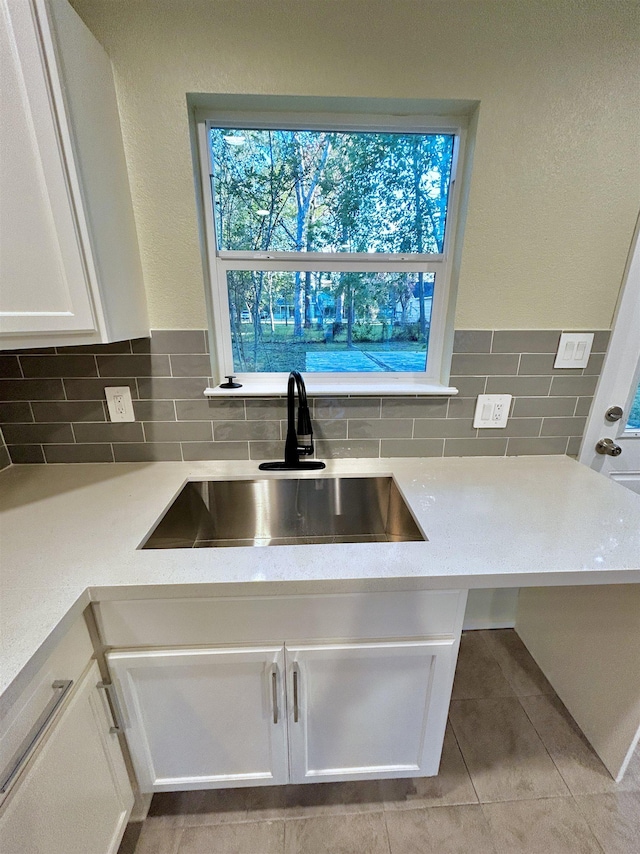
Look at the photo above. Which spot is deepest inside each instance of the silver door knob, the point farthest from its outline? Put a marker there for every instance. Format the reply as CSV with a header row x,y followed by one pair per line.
x,y
608,446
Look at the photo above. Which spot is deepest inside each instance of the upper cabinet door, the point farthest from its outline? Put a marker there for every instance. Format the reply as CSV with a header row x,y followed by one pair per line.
x,y
70,268
368,710
204,718
43,280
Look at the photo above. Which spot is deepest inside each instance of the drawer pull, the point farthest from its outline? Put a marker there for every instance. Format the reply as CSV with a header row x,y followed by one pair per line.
x,y
61,688
274,692
114,706
296,710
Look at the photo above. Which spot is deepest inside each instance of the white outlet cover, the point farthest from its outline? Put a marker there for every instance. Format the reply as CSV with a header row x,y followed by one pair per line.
x,y
119,403
492,410
574,350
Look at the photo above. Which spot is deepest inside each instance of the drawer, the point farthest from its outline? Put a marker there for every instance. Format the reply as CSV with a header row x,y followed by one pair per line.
x,y
66,663
265,619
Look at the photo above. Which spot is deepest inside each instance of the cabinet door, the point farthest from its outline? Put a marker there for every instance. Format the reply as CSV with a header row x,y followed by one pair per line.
x,y
204,718
74,797
42,256
368,710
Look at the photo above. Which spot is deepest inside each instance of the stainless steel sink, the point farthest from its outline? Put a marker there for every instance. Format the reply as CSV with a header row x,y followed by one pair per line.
x,y
284,511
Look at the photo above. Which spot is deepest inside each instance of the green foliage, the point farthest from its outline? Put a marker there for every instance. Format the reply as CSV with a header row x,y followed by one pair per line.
x,y
306,191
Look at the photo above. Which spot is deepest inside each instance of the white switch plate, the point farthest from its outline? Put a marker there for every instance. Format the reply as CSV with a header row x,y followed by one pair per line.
x,y
119,403
574,350
492,410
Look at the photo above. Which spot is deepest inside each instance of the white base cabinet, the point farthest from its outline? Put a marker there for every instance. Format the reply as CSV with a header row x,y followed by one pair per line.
x,y
74,796
212,718
367,710
204,718
264,690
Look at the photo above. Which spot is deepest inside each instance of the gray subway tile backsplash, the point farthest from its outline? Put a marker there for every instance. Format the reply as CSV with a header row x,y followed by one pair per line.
x,y
194,365
240,431
484,364
444,428
414,407
126,431
10,367
215,451
171,388
15,434
5,459
68,410
563,426
519,386
76,389
210,410
475,447
59,366
178,431
380,428
525,341
79,453
145,452
31,390
53,406
526,407
134,366
568,386
517,447
20,411
172,341
22,454
472,341
411,447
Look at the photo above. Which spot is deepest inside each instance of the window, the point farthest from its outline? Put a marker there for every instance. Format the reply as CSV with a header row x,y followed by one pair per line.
x,y
330,244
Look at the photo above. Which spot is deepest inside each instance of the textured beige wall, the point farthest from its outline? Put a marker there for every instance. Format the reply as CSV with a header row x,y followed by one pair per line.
x,y
556,179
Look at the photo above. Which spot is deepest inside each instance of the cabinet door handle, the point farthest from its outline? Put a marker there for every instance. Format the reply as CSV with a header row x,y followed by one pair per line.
x,y
114,706
274,692
61,688
296,710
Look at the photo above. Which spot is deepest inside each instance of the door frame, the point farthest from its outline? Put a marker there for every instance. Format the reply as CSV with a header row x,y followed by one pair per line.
x,y
617,386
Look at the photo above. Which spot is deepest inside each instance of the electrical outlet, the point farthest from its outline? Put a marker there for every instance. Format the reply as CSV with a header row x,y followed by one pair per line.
x,y
119,403
492,410
574,350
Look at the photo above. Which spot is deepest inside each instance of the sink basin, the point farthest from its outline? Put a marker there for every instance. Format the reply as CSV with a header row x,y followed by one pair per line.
x,y
284,511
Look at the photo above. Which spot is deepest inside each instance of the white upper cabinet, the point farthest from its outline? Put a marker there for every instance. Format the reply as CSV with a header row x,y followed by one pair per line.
x,y
70,269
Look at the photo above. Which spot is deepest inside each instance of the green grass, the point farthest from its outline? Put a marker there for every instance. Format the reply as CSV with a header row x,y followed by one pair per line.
x,y
278,351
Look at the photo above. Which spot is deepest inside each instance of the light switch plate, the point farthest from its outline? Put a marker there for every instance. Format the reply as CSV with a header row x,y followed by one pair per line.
x,y
492,410
574,350
119,403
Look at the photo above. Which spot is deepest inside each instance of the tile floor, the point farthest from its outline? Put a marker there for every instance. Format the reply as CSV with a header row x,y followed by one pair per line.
x,y
517,777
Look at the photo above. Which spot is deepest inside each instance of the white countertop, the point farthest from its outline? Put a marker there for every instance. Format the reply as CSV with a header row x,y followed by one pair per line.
x,y
69,535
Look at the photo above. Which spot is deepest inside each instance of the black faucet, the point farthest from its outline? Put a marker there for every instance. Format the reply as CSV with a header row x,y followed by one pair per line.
x,y
299,441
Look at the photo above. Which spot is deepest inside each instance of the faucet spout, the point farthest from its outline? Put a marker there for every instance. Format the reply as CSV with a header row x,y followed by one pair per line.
x,y
299,439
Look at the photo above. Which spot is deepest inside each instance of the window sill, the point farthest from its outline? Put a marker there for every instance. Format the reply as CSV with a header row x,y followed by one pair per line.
x,y
269,387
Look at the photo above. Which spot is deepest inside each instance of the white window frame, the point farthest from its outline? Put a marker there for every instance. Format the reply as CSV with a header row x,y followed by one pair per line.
x,y
435,379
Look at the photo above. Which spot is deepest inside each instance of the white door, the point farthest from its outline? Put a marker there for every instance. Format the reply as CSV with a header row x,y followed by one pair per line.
x,y
367,710
43,278
204,718
619,386
75,796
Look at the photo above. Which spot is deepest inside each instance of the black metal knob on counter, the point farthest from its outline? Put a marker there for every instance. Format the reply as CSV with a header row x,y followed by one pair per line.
x,y
230,384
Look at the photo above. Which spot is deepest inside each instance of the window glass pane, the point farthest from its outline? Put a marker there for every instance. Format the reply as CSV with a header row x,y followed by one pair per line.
x,y
634,415
329,321
313,191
